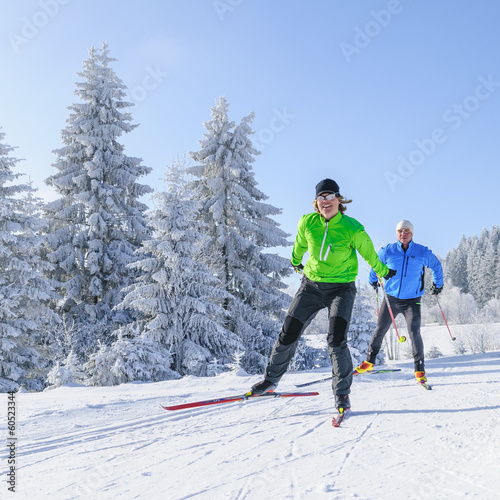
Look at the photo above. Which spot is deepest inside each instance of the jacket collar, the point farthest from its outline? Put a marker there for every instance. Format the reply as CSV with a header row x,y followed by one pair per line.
x,y
400,245
334,220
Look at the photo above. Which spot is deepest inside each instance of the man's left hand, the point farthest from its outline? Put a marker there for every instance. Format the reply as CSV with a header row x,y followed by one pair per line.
x,y
436,290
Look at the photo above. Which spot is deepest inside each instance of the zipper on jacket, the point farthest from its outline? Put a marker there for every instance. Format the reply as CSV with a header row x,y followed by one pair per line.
x,y
404,270
407,260
403,273
401,278
323,244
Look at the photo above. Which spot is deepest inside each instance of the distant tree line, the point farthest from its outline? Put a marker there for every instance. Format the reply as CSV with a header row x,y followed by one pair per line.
x,y
474,266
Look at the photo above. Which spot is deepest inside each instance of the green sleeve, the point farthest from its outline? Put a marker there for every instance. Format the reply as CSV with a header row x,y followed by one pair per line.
x,y
364,246
300,246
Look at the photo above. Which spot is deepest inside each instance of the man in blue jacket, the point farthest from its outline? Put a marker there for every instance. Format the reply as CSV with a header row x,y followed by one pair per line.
x,y
404,291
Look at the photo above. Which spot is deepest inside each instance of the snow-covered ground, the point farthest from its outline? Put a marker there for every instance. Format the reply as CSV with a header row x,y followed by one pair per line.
x,y
400,441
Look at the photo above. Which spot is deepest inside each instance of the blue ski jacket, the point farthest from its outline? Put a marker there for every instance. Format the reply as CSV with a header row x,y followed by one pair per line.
x,y
408,283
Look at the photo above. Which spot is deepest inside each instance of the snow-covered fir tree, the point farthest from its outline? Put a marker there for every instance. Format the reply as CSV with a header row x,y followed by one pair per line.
x,y
490,261
66,372
176,300
474,266
129,360
362,325
25,316
456,263
98,222
240,227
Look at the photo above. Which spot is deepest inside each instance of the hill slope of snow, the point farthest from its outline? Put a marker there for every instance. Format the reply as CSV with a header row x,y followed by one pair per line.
x,y
400,441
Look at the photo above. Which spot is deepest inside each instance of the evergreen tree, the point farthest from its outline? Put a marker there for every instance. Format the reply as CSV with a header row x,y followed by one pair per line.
x,y
434,353
128,360
473,260
174,301
497,277
488,265
98,222
474,265
67,372
456,263
240,228
24,292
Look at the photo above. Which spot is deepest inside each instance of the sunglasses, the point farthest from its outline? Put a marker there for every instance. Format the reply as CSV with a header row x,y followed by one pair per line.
x,y
328,197
404,231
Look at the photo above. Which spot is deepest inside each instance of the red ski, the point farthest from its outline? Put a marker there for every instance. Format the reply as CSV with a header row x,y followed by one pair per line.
x,y
243,397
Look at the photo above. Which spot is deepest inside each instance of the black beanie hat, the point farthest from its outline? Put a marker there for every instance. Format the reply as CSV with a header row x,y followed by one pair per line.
x,y
327,186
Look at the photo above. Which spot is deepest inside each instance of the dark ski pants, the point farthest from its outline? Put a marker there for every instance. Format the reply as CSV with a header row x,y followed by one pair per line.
x,y
311,297
410,308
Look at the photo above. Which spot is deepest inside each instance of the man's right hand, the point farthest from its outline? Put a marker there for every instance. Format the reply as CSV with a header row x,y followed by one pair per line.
x,y
390,274
375,285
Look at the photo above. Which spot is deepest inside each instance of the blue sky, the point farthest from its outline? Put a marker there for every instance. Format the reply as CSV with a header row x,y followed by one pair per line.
x,y
396,100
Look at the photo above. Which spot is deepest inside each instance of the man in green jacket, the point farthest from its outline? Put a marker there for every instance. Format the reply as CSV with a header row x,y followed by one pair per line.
x,y
331,238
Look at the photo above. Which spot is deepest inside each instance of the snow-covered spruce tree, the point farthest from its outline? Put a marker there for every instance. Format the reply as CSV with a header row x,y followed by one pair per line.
x,y
97,223
66,372
474,265
489,263
456,263
24,292
362,325
128,360
175,300
240,227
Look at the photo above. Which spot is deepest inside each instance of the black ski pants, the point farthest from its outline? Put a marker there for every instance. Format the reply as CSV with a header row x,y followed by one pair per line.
x,y
311,297
410,308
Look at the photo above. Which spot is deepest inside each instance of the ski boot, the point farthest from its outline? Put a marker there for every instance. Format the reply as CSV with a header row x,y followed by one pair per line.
x,y
421,378
262,387
342,402
364,367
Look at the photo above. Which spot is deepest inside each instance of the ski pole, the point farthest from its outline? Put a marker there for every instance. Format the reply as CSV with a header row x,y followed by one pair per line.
x,y
402,338
452,337
378,315
387,346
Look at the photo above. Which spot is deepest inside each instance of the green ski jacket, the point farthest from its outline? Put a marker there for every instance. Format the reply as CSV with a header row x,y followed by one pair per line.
x,y
332,248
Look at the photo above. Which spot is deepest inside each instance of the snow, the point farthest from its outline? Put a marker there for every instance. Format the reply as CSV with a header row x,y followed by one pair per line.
x,y
399,441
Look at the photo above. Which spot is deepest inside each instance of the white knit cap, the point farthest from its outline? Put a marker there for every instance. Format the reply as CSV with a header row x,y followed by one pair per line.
x,y
405,224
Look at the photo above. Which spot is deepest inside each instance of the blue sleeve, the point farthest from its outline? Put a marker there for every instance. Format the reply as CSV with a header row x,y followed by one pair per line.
x,y
435,266
372,277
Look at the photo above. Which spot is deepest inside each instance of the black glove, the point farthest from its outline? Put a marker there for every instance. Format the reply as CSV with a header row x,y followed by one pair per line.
x,y
375,285
390,274
435,290
299,268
